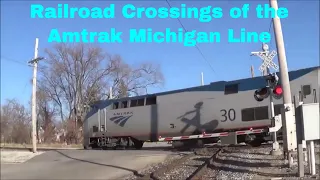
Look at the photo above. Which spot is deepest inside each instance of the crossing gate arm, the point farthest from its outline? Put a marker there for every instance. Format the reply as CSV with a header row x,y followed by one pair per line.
x,y
204,135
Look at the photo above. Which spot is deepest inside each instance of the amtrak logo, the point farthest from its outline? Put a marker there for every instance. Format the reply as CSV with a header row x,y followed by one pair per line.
x,y
122,113
121,118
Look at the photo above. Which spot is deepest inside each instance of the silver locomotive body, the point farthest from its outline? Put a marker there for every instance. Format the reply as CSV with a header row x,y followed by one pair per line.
x,y
217,107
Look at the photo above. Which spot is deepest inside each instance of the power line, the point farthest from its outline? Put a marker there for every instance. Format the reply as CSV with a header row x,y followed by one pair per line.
x,y
22,63
270,25
196,44
12,60
19,62
270,31
24,89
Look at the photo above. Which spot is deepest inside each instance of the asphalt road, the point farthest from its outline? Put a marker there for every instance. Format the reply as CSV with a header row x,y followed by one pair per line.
x,y
83,164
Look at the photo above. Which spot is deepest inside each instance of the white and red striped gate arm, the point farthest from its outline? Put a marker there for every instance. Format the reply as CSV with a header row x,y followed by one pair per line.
x,y
204,135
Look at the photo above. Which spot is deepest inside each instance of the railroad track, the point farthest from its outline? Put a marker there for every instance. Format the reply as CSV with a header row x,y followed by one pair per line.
x,y
204,167
195,165
198,163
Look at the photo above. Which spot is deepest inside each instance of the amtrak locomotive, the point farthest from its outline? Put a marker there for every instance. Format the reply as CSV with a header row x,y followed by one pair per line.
x,y
224,106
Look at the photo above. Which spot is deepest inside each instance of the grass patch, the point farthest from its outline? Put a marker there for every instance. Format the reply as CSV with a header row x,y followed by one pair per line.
x,y
54,145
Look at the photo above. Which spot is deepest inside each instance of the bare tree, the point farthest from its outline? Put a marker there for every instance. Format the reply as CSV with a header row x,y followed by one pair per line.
x,y
5,124
71,77
78,75
45,117
15,122
134,80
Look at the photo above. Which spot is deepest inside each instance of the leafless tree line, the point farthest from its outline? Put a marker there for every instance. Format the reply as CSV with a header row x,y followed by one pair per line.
x,y
71,78
15,122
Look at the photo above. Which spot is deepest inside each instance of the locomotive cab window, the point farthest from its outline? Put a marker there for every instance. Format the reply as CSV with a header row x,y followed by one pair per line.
x,y
124,104
151,100
133,103
115,105
137,102
231,89
140,102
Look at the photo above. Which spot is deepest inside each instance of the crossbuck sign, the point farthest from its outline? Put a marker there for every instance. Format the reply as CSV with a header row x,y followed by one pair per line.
x,y
267,60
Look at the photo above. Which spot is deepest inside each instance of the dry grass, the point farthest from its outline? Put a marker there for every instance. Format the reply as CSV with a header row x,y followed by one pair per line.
x,y
17,156
55,145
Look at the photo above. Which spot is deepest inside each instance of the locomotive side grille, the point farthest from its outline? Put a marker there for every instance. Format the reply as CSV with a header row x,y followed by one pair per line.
x,y
94,129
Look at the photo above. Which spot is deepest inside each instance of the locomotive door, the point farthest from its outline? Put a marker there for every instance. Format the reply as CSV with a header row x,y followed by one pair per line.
x,y
103,120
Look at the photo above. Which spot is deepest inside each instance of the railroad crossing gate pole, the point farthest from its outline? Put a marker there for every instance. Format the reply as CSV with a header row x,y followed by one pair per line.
x,y
289,130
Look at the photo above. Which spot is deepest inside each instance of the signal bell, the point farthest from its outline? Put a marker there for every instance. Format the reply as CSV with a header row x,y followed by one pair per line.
x,y
261,94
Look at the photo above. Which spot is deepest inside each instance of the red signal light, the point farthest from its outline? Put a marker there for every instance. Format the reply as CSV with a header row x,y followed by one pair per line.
x,y
277,92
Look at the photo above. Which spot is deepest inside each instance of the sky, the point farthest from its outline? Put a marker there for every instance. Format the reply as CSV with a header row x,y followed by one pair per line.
x,y
181,65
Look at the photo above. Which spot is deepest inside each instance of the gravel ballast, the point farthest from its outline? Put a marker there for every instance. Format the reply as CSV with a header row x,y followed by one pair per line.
x,y
242,162
252,163
152,168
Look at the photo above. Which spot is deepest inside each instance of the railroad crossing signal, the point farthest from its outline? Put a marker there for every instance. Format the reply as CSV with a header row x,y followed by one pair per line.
x,y
277,92
261,94
267,60
273,88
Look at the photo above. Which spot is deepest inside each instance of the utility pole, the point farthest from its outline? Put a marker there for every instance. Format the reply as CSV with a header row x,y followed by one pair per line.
x,y
252,71
202,83
34,62
289,132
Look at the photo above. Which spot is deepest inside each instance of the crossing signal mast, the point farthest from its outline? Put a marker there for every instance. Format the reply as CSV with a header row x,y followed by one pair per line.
x,y
273,88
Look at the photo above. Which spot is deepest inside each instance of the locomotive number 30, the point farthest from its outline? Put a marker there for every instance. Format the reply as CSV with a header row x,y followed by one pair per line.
x,y
228,114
